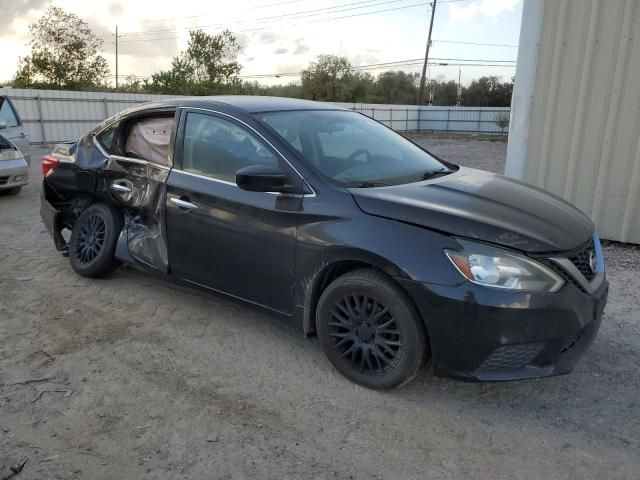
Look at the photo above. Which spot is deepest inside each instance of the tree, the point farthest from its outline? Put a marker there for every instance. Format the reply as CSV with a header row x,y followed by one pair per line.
x,y
362,85
292,90
331,78
488,92
443,93
502,120
64,54
208,65
395,87
131,84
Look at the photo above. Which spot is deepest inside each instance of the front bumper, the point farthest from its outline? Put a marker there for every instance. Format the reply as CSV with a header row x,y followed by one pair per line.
x,y
483,334
13,173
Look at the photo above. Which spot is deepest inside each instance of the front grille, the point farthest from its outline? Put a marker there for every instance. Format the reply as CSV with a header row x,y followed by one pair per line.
x,y
4,180
582,261
510,357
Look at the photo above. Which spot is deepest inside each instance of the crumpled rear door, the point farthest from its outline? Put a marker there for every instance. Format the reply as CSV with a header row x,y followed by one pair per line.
x,y
139,186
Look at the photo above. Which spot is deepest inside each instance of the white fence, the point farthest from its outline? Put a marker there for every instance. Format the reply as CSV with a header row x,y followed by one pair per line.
x,y
53,116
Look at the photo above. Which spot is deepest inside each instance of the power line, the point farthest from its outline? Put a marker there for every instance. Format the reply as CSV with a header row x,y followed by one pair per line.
x,y
255,7
413,60
303,14
476,43
400,63
415,63
299,23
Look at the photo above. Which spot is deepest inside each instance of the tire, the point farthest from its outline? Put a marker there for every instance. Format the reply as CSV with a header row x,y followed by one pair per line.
x,y
370,331
93,241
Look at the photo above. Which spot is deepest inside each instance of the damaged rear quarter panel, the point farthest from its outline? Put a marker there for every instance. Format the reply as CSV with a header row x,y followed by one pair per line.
x,y
136,186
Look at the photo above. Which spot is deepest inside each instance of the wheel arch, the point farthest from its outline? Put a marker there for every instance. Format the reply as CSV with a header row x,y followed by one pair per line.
x,y
328,271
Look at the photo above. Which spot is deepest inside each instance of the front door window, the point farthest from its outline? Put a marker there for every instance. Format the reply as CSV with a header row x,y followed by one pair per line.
x,y
218,148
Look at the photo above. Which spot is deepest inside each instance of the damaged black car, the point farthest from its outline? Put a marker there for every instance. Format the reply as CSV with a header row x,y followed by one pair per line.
x,y
390,255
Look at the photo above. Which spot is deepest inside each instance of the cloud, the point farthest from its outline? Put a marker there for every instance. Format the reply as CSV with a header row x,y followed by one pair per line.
x,y
301,47
243,41
282,68
12,9
364,59
281,51
115,9
166,48
137,55
269,37
487,8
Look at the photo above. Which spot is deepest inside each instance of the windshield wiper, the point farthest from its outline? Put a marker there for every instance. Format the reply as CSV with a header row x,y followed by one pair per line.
x,y
436,173
370,185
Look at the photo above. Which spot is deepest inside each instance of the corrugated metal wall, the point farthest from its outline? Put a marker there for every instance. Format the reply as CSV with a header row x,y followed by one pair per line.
x,y
437,119
584,132
53,116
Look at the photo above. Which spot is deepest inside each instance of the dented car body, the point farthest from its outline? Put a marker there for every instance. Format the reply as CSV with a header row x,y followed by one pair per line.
x,y
388,253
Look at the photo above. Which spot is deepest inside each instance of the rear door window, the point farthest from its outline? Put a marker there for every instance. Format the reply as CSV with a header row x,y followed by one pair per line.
x,y
149,139
7,114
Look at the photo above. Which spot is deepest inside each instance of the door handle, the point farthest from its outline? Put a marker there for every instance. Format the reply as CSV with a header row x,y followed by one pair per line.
x,y
184,203
121,188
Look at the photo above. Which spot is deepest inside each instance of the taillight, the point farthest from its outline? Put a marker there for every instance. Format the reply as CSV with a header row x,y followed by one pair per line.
x,y
49,162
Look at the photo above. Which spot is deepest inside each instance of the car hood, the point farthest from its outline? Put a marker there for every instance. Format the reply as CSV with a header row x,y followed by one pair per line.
x,y
484,206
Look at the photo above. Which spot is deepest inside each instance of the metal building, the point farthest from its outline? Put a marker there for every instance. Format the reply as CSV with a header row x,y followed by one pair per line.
x,y
575,117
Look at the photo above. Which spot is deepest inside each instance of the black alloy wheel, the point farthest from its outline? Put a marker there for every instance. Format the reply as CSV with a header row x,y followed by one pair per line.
x,y
93,240
366,333
370,331
91,234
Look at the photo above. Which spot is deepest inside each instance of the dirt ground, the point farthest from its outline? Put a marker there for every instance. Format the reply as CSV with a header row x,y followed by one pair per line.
x,y
131,374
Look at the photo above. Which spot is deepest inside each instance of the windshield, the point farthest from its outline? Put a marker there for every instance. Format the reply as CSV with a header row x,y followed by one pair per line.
x,y
352,149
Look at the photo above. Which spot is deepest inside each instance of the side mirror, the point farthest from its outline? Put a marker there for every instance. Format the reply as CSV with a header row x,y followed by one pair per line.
x,y
3,124
261,178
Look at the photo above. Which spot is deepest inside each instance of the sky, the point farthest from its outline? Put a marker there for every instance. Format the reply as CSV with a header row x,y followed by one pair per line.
x,y
282,36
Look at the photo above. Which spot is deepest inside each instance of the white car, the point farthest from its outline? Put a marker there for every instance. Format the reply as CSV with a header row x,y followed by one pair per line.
x,y
14,150
14,170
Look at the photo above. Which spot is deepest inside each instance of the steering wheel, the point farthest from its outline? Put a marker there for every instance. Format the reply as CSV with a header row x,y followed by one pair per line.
x,y
357,153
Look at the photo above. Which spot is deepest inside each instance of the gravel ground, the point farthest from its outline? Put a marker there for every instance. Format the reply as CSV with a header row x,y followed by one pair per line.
x,y
131,374
483,154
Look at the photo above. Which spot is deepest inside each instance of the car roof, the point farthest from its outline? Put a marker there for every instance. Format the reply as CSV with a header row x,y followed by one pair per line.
x,y
246,103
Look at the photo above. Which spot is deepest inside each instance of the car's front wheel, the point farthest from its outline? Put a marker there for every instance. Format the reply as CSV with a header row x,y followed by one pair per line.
x,y
370,331
93,240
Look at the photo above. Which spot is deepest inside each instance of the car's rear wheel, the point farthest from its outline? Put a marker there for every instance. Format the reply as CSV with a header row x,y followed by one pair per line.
x,y
370,331
93,241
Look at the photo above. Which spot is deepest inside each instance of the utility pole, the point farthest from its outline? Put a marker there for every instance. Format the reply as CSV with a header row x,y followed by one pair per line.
x,y
116,56
426,55
459,99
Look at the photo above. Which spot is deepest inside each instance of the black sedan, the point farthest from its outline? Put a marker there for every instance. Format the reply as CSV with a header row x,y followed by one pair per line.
x,y
389,254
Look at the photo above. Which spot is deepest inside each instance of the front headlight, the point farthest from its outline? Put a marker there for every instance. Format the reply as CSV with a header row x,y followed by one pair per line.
x,y
498,268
